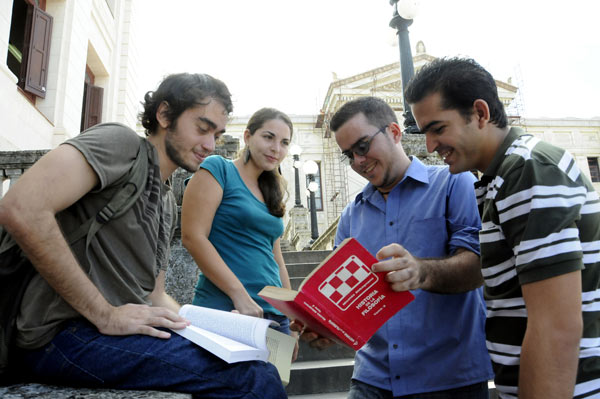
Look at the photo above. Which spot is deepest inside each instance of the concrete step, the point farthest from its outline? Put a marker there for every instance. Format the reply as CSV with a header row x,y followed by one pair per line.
x,y
301,269
320,376
304,256
307,353
295,282
286,246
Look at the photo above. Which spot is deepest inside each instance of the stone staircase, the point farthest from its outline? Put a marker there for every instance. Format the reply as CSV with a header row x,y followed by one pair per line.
x,y
286,246
323,374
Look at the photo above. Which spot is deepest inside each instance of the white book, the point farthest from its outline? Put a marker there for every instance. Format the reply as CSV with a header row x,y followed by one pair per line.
x,y
237,338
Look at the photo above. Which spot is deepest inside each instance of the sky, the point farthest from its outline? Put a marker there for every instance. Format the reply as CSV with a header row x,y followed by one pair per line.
x,y
284,54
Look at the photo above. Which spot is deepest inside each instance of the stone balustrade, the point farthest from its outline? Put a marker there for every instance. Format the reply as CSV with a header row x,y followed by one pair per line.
x,y
14,163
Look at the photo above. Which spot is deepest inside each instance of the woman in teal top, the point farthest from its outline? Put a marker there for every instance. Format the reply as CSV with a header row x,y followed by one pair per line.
x,y
231,221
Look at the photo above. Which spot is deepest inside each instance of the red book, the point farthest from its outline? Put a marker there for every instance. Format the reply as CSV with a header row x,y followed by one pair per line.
x,y
342,299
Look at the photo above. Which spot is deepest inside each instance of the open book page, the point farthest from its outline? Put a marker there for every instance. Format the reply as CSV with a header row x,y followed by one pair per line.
x,y
281,349
238,327
227,349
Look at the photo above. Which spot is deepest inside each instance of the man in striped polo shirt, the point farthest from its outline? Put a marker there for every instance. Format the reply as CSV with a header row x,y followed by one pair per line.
x,y
540,237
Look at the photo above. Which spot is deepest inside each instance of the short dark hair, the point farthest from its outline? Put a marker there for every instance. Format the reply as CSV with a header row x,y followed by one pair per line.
x,y
182,91
377,112
460,81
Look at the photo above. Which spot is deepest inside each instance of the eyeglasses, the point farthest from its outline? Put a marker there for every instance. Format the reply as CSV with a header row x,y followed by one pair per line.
x,y
360,148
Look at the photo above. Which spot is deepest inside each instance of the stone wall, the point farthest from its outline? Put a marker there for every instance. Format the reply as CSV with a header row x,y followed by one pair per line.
x,y
414,144
14,163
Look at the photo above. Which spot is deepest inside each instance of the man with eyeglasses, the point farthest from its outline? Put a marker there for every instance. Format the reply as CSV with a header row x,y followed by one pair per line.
x,y
435,346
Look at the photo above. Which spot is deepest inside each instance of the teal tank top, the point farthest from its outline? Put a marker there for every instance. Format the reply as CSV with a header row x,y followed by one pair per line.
x,y
243,233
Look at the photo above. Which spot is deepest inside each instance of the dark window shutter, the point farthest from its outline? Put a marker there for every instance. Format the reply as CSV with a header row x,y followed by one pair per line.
x,y
84,107
594,169
36,53
92,106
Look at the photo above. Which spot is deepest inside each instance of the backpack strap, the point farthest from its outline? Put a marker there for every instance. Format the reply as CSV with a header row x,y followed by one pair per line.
x,y
6,240
120,202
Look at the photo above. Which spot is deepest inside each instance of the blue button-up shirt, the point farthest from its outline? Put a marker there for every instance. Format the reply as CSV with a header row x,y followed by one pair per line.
x,y
436,342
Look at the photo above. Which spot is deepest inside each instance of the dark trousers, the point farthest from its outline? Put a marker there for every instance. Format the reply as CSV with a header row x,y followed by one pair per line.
x,y
80,355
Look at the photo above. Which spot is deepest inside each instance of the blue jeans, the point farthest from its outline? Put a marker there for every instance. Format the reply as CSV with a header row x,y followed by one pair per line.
x,y
284,322
80,355
360,390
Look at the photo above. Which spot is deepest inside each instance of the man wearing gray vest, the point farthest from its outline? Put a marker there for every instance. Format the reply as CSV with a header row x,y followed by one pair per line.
x,y
97,313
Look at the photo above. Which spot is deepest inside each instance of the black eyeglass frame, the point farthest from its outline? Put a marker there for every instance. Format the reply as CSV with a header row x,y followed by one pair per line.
x,y
360,148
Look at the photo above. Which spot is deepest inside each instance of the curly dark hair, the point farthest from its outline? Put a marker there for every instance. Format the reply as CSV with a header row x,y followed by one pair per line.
x,y
182,91
460,81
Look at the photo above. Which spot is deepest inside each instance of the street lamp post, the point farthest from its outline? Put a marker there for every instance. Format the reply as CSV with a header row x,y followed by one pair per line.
x,y
404,12
310,169
296,150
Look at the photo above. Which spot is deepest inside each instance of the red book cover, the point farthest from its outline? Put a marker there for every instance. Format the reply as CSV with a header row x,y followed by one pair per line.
x,y
342,299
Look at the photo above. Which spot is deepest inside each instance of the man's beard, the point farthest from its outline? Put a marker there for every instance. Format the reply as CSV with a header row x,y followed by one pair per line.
x,y
387,183
174,154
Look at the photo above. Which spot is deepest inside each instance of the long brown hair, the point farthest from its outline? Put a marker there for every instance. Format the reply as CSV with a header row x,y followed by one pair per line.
x,y
271,184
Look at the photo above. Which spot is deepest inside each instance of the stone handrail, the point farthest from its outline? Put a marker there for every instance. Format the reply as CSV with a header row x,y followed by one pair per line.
x,y
326,240
287,231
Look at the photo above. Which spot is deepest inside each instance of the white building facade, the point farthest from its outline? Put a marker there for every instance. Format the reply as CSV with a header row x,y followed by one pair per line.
x,y
67,65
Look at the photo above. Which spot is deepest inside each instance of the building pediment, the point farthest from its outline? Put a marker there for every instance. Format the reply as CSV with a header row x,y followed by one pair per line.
x,y
385,82
393,86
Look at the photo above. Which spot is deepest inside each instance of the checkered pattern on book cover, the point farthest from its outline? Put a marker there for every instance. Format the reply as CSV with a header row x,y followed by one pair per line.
x,y
348,282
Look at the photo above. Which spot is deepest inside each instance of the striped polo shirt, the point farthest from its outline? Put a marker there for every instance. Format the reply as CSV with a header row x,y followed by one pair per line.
x,y
540,218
